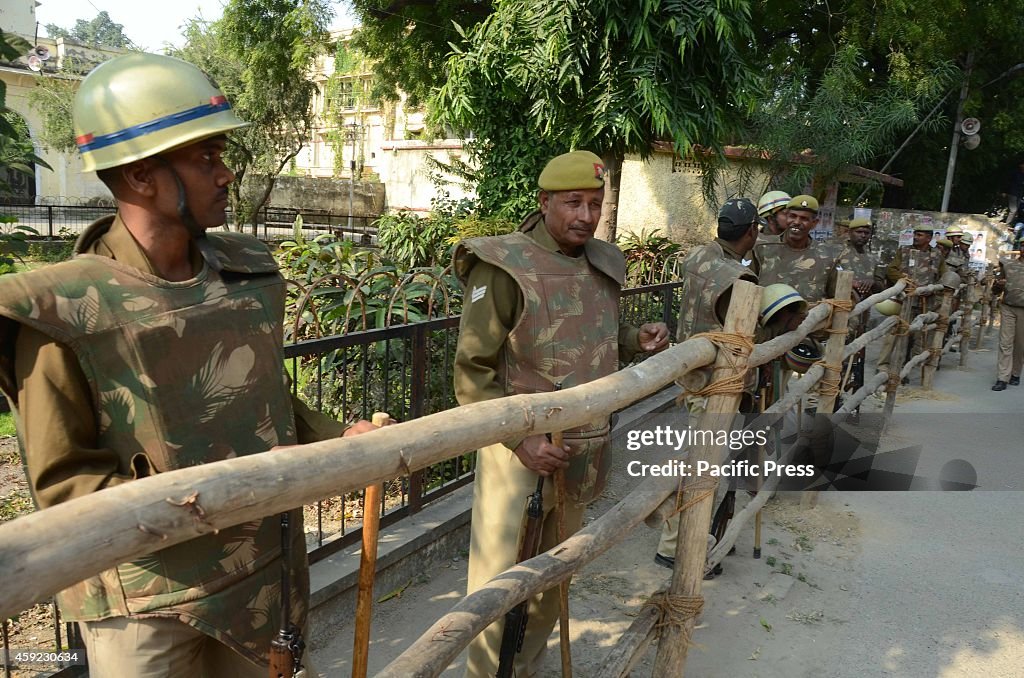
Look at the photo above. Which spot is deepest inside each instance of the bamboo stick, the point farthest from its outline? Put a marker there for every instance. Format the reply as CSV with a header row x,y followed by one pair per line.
x,y
367,570
928,378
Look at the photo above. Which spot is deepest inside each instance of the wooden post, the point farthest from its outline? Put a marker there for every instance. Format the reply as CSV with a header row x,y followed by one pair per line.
x,y
986,310
965,321
937,336
926,335
897,358
832,360
694,522
367,570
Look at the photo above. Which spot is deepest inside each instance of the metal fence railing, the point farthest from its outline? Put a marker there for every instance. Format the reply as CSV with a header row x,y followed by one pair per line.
x,y
68,217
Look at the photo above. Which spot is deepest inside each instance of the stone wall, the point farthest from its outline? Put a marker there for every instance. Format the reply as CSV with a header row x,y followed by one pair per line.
x,y
328,194
663,193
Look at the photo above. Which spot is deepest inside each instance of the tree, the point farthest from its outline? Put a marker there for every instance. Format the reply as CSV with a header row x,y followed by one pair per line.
x,y
408,41
16,150
102,31
610,76
260,53
886,64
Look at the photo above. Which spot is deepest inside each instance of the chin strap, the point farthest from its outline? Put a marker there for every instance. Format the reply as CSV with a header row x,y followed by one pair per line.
x,y
197,232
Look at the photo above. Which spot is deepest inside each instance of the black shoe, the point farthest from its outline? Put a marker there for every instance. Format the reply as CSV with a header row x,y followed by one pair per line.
x,y
713,572
664,561
1014,381
999,386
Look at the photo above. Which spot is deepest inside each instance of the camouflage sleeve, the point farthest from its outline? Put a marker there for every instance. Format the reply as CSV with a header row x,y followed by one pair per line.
x,y
311,426
491,308
58,424
629,343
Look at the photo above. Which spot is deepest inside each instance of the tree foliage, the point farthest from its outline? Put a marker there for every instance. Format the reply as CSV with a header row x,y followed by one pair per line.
x,y
408,41
260,53
537,78
101,31
884,65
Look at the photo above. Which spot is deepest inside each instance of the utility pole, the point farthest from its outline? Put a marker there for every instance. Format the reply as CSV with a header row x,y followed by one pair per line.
x,y
955,144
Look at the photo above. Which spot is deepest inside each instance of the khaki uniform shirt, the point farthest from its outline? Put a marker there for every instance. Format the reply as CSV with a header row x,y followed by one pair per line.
x,y
487,321
58,416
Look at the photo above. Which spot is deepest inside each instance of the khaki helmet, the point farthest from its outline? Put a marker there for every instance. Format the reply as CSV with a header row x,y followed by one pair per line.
x,y
954,230
771,202
776,297
802,356
888,307
950,280
138,105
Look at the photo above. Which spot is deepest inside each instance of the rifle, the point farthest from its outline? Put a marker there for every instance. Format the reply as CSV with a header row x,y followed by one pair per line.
x,y
286,649
516,618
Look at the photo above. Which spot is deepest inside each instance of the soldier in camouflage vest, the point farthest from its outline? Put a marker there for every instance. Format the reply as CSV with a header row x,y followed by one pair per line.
x,y
1011,322
922,264
156,348
795,259
541,310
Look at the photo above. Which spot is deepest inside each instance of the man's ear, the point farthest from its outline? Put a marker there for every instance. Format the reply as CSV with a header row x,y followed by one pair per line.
x,y
138,177
543,197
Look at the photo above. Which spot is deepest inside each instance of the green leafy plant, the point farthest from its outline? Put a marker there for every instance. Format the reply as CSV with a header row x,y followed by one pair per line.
x,y
646,253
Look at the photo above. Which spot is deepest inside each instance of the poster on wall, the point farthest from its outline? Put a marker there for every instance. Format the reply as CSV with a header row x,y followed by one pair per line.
x,y
862,213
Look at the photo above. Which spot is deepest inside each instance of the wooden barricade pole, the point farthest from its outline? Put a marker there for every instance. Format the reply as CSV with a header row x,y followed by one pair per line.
x,y
936,337
898,357
828,389
684,602
926,335
965,321
986,310
367,570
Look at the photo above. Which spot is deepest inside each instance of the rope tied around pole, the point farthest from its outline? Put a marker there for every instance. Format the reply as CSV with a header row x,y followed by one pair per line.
x,y
702,489
828,388
734,345
902,328
675,610
911,286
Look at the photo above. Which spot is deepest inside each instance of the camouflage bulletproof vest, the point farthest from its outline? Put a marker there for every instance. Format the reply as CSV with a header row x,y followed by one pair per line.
x,y
708,273
1013,272
862,264
920,266
567,334
182,373
807,270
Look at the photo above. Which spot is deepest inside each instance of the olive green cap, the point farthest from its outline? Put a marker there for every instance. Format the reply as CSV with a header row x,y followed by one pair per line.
x,y
572,171
944,242
138,105
860,223
804,202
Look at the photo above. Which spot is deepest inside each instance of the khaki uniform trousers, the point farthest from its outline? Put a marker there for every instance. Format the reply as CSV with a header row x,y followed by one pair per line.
x,y
124,647
500,494
1011,342
696,406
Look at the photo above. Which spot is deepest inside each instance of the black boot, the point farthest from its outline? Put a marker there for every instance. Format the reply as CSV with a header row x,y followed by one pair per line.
x,y
1015,380
999,386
